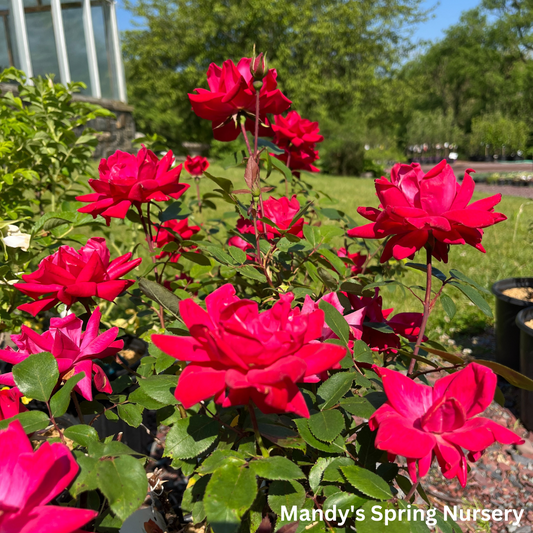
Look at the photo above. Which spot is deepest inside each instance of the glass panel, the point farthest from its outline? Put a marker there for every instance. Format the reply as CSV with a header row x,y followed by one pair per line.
x,y
7,42
103,52
41,40
76,46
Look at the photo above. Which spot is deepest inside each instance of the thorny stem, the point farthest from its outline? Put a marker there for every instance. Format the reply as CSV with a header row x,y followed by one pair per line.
x,y
258,437
257,91
77,406
427,309
53,420
286,181
439,369
412,491
245,135
197,180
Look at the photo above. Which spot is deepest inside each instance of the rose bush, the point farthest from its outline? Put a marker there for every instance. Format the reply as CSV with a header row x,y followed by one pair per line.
x,y
275,371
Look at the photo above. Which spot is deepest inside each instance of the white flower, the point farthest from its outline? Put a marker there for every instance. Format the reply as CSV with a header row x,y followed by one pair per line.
x,y
16,239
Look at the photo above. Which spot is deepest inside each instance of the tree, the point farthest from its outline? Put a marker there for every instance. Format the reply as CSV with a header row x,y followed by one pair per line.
x,y
330,55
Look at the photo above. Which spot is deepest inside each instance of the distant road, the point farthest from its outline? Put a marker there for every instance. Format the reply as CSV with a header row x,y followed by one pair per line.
x,y
481,166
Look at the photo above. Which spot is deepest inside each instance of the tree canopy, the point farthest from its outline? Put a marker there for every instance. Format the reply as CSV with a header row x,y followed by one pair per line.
x,y
331,55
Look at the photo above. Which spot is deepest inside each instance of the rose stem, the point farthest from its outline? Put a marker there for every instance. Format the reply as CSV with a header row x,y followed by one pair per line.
x,y
258,437
77,406
412,491
197,180
286,181
427,308
53,420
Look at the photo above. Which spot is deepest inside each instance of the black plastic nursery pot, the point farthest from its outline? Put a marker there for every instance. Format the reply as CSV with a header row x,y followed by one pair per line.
x,y
507,332
526,365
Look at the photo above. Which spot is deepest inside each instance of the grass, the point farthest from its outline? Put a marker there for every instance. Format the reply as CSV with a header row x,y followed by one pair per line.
x,y
509,248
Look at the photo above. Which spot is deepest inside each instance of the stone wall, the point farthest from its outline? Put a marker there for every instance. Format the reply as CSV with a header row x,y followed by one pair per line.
x,y
116,133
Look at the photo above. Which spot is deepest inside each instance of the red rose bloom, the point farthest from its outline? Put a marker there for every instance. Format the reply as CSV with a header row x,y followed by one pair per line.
x,y
126,180
10,404
73,349
30,480
231,95
238,354
301,159
164,237
281,212
295,131
196,166
420,422
298,137
416,206
405,324
356,260
71,275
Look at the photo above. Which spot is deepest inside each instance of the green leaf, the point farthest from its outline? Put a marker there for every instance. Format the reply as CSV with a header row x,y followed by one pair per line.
x,y
123,482
448,305
139,396
37,376
423,268
158,388
286,494
237,254
343,501
333,473
175,211
218,253
31,421
61,399
337,446
335,260
219,458
326,425
335,321
317,471
285,170
512,376
272,148
474,296
367,482
332,390
131,414
276,468
82,434
197,258
462,277
87,478
229,494
191,436
249,271
161,295
358,406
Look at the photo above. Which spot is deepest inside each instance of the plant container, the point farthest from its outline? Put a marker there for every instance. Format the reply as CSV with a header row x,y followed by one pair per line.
x,y
526,364
507,332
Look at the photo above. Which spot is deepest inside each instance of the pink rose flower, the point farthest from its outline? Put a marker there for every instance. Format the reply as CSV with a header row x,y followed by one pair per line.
x,y
70,276
74,350
196,166
417,208
420,422
405,324
295,131
282,213
32,479
127,180
231,95
10,404
238,354
163,236
356,260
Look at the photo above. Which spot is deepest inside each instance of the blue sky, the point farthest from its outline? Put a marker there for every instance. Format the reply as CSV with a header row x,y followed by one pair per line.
x,y
446,13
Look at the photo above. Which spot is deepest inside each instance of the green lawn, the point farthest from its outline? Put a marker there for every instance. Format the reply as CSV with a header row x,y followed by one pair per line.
x,y
509,253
